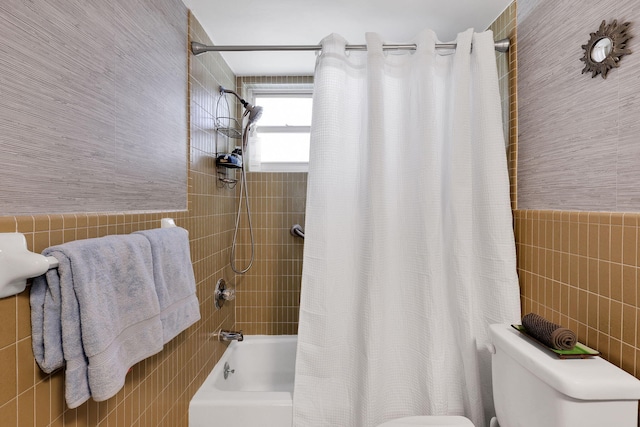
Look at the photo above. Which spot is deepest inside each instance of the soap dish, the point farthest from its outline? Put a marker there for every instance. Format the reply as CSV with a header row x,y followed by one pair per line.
x,y
580,351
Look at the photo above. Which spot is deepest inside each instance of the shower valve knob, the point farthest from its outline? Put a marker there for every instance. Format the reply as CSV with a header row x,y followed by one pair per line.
x,y
228,294
223,293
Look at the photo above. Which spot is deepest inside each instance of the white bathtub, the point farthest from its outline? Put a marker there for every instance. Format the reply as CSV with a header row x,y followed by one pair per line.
x,y
260,391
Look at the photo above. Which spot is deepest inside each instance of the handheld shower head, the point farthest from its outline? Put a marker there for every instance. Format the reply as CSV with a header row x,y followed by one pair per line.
x,y
254,111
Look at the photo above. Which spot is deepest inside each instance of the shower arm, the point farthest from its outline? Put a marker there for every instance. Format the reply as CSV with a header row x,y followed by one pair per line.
x,y
198,48
253,111
225,90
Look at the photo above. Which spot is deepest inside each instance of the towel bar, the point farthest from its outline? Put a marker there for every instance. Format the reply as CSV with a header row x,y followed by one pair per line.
x,y
17,263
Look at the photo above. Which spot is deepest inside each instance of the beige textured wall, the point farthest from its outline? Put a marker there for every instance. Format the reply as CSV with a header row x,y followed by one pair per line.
x,y
94,106
578,145
158,390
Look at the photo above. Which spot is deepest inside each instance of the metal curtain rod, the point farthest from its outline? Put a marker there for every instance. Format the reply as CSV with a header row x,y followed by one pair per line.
x,y
198,48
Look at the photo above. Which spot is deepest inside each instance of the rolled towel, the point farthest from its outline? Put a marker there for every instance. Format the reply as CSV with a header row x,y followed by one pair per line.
x,y
549,333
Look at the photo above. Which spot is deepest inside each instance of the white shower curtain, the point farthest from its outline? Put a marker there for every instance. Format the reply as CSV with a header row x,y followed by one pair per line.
x,y
409,251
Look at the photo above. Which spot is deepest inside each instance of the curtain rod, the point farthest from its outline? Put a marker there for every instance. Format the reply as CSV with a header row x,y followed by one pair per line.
x,y
198,48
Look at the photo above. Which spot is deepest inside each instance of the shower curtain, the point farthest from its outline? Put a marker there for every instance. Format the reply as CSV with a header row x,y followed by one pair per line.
x,y
409,252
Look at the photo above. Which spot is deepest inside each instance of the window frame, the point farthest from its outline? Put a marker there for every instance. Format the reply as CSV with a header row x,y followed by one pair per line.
x,y
276,90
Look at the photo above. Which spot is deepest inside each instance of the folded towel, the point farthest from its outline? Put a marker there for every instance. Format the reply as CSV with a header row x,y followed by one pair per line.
x,y
173,275
46,328
98,311
549,333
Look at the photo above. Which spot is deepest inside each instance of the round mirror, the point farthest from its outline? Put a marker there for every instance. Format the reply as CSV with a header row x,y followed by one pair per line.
x,y
605,48
601,49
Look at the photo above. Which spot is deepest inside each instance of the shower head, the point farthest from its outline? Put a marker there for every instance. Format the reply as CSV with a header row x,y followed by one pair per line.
x,y
254,111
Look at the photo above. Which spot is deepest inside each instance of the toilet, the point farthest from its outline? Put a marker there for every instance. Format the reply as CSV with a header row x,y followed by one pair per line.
x,y
533,387
451,421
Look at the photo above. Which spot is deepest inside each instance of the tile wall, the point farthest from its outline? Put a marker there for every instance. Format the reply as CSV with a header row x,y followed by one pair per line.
x,y
268,295
580,269
158,390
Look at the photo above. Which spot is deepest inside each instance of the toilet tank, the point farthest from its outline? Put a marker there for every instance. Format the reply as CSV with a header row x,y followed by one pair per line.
x,y
532,387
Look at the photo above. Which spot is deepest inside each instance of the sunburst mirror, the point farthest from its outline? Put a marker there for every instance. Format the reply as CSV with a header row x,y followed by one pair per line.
x,y
605,48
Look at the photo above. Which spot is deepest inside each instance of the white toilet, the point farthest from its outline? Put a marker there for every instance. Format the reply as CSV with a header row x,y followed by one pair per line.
x,y
429,421
534,388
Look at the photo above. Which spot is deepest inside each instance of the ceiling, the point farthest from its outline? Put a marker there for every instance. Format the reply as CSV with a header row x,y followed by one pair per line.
x,y
306,22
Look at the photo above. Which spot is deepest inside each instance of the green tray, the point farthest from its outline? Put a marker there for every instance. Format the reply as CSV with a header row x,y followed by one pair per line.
x,y
580,351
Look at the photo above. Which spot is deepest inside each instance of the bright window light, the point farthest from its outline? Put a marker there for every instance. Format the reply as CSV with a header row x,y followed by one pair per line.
x,y
284,147
285,111
281,138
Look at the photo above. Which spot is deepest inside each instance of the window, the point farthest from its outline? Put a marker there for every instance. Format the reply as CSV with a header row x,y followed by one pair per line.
x,y
280,141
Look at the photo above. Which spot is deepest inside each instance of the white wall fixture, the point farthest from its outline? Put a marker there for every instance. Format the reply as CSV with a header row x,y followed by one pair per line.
x,y
17,264
167,223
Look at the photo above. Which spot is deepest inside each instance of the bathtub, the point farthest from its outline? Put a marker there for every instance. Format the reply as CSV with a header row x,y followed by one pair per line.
x,y
260,391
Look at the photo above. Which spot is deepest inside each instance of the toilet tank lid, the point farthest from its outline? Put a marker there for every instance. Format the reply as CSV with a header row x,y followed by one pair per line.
x,y
585,379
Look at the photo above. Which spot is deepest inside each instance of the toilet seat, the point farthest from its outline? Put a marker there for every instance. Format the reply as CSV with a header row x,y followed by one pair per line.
x,y
433,421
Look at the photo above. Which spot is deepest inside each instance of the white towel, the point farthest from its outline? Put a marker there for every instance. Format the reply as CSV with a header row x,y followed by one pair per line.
x,y
175,282
98,312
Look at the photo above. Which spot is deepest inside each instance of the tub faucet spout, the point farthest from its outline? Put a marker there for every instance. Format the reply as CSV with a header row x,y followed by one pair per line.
x,y
225,335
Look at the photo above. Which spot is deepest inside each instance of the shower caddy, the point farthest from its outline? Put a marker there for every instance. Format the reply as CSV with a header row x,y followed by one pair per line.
x,y
230,128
